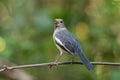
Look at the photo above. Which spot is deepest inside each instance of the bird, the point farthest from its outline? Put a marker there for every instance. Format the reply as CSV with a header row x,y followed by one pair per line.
x,y
66,42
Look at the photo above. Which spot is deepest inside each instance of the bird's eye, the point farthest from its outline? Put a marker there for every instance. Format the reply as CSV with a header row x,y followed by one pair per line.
x,y
61,21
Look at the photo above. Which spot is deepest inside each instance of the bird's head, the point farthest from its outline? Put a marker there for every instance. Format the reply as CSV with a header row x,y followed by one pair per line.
x,y
58,23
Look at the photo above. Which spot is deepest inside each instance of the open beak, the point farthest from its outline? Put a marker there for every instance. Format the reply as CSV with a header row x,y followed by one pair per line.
x,y
56,22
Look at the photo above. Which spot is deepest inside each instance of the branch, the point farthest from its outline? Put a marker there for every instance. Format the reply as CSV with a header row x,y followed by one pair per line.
x,y
11,74
5,67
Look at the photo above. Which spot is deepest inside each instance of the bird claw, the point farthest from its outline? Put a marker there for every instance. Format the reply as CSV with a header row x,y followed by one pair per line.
x,y
50,65
53,64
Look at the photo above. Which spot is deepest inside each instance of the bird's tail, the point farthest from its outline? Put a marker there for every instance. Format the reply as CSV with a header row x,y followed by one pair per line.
x,y
85,61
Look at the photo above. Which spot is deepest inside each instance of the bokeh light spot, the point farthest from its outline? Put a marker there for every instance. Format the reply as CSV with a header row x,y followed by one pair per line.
x,y
82,31
2,44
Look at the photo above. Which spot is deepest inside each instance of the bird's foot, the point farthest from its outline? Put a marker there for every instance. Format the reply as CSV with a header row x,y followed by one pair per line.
x,y
72,61
53,64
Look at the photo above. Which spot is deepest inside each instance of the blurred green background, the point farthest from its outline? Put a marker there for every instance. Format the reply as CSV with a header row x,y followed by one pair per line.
x,y
26,28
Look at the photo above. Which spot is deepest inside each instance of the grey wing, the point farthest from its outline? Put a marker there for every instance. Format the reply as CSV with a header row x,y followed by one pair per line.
x,y
66,41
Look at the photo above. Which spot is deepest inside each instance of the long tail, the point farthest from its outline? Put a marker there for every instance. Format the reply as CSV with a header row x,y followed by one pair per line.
x,y
85,61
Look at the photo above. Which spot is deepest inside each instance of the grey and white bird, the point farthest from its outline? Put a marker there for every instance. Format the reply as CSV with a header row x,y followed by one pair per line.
x,y
65,41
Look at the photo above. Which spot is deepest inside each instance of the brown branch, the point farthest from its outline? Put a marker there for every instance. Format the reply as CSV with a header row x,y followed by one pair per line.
x,y
16,74
5,67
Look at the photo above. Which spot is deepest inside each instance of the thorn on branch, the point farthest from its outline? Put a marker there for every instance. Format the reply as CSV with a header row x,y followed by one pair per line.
x,y
5,67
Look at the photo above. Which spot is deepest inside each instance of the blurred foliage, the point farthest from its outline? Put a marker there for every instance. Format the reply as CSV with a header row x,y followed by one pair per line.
x,y
26,28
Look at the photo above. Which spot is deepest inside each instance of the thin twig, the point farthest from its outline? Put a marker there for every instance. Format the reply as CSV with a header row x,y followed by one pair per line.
x,y
5,67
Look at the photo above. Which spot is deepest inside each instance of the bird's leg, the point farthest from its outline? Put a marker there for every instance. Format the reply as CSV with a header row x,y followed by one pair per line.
x,y
72,60
59,56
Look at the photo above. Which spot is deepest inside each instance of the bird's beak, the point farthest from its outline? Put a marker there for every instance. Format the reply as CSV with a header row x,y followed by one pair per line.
x,y
56,23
